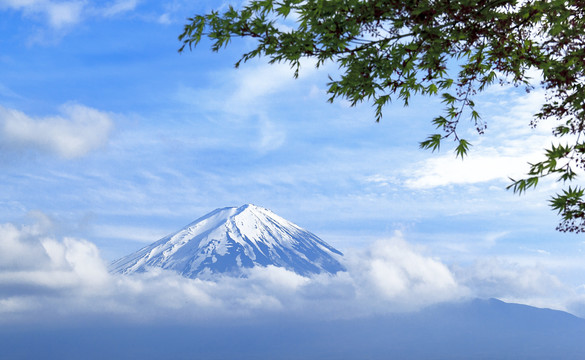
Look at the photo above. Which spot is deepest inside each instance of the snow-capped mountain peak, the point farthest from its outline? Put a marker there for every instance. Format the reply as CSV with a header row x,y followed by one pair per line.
x,y
229,240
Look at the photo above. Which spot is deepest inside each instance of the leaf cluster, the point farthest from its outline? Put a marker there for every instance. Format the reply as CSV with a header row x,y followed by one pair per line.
x,y
391,50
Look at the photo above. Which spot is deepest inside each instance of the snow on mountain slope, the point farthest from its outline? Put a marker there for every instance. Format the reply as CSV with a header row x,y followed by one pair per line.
x,y
229,240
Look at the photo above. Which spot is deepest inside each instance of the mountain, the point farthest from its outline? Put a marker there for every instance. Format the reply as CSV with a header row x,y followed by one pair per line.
x,y
230,240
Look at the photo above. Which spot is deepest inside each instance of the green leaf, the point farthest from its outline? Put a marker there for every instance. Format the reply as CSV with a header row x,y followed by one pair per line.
x,y
462,148
433,143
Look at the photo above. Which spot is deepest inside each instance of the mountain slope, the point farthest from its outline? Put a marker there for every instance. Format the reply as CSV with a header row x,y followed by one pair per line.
x,y
229,240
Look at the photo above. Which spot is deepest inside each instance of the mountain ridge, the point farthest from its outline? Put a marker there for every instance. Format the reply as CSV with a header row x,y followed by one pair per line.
x,y
470,330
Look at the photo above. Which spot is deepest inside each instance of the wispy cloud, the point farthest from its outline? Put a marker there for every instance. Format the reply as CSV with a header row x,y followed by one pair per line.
x,y
503,278
57,14
119,7
134,233
76,132
247,95
502,152
271,136
60,15
530,283
249,90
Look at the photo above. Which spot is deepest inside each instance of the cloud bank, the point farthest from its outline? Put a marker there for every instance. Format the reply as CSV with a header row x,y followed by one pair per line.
x,y
42,276
49,279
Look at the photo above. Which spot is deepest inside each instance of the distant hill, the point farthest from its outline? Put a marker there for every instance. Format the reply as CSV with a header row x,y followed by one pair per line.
x,y
479,329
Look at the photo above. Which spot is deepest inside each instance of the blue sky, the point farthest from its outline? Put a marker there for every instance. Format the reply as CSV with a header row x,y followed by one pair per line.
x,y
110,140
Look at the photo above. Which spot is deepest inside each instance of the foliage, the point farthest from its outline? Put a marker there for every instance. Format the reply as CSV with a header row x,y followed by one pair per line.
x,y
395,49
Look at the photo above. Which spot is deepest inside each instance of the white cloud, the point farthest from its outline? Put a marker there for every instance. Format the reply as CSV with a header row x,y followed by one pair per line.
x,y
399,273
58,14
78,131
7,92
382,180
525,282
493,277
271,136
503,152
19,248
134,233
33,260
445,170
247,95
255,82
61,15
164,19
120,6
247,91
